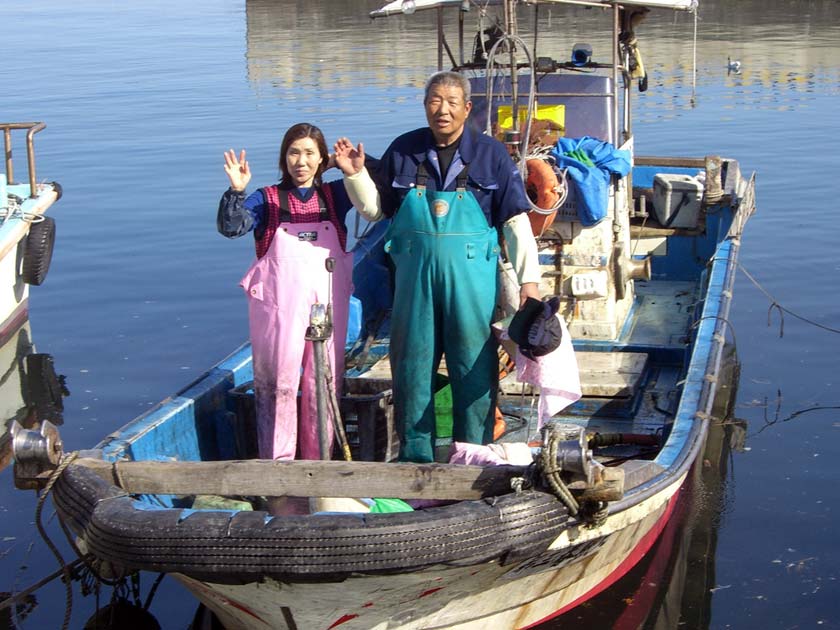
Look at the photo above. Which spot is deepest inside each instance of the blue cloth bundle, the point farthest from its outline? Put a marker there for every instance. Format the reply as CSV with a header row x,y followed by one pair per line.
x,y
589,163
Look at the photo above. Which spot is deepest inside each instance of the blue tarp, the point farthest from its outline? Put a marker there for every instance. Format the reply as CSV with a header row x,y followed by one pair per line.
x,y
589,163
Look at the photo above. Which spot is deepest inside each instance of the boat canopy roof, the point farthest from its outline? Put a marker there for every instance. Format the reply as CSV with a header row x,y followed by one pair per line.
x,y
397,7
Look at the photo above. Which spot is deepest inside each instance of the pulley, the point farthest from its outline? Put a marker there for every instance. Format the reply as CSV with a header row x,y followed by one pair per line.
x,y
35,451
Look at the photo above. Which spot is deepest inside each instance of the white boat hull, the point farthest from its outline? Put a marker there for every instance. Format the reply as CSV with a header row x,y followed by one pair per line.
x,y
14,291
577,566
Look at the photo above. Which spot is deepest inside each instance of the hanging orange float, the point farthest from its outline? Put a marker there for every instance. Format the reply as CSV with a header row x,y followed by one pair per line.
x,y
542,188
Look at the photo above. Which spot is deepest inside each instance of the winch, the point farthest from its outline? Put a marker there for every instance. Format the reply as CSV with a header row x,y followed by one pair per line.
x,y
36,452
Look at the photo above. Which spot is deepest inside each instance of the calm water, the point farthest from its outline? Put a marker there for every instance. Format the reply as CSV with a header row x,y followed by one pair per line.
x,y
141,100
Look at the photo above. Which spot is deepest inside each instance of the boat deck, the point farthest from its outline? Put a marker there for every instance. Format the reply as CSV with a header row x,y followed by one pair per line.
x,y
641,370
629,386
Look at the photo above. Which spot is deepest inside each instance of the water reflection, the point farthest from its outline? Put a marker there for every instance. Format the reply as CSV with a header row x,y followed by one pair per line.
x,y
778,418
30,390
673,585
785,49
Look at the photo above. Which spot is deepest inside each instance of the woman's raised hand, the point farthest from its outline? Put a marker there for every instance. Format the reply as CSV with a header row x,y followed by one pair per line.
x,y
348,158
237,170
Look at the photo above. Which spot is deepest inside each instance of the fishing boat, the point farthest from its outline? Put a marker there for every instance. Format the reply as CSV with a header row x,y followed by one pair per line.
x,y
27,234
644,269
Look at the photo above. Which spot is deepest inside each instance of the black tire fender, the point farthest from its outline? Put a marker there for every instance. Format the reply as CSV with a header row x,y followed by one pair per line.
x,y
38,251
247,546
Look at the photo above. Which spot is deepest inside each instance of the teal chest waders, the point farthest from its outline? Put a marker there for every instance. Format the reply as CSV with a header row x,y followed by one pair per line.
x,y
445,256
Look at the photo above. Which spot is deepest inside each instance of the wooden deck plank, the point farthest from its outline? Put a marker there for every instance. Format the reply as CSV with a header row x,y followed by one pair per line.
x,y
602,374
307,478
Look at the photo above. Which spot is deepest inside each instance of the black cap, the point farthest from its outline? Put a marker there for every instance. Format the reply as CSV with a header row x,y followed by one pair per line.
x,y
535,327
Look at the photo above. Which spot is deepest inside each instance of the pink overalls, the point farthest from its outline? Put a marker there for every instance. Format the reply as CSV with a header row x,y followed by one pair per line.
x,y
281,287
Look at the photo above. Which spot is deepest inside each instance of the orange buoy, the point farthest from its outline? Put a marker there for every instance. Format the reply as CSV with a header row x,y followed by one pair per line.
x,y
541,186
499,425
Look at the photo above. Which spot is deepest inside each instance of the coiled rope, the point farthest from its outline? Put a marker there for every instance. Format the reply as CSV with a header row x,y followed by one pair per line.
x,y
551,471
562,188
13,211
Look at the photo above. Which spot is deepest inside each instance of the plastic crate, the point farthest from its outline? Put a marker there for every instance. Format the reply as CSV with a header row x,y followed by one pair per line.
x,y
245,421
368,422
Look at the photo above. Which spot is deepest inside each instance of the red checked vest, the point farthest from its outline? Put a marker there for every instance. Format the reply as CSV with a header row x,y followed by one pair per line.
x,y
284,207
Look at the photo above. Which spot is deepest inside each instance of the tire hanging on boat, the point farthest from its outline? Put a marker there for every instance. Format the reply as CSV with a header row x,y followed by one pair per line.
x,y
245,546
38,251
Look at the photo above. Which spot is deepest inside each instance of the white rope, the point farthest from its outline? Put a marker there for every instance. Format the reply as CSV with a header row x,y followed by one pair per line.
x,y
489,71
13,211
562,190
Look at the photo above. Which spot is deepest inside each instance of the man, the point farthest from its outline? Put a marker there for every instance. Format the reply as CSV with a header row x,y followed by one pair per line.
x,y
448,190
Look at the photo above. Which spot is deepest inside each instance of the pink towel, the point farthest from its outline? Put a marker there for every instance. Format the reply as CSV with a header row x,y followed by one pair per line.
x,y
556,374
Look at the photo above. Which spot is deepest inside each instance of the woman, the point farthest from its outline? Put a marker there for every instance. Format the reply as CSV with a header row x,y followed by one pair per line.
x,y
297,224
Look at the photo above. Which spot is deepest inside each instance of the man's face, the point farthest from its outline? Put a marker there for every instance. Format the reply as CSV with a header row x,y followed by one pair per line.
x,y
446,112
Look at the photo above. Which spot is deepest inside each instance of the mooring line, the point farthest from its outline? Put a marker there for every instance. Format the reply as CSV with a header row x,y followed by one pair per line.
x,y
781,309
66,460
9,601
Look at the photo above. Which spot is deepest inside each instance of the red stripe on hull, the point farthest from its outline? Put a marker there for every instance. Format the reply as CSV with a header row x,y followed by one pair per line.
x,y
645,543
14,321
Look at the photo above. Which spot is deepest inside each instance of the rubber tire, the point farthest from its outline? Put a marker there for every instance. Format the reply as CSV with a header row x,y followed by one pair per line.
x,y
225,547
38,251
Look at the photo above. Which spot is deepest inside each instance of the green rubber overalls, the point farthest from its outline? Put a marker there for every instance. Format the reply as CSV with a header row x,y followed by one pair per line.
x,y
445,256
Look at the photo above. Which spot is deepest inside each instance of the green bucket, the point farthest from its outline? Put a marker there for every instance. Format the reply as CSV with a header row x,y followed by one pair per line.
x,y
443,408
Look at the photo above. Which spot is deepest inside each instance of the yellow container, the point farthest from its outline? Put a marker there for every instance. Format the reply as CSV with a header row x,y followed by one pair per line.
x,y
554,113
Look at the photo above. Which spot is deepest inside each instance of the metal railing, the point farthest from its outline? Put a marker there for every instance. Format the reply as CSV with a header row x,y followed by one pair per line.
x,y
33,128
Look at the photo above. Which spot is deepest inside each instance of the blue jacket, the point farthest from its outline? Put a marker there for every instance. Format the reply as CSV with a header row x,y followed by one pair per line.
x,y
492,176
238,214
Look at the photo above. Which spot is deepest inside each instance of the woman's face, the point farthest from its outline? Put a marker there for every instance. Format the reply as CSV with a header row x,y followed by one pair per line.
x,y
302,160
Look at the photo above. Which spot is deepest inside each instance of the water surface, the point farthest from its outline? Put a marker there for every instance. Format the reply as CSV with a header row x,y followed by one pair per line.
x,y
141,100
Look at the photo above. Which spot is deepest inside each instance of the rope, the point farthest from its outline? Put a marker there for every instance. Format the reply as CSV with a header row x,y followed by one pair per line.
x,y
153,590
774,304
639,237
509,38
66,460
722,319
13,211
14,599
562,188
551,472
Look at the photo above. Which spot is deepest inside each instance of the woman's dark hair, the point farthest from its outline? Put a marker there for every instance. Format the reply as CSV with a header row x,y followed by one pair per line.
x,y
294,133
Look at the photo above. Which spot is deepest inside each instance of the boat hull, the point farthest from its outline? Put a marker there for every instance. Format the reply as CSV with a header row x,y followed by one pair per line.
x,y
514,560
578,565
14,291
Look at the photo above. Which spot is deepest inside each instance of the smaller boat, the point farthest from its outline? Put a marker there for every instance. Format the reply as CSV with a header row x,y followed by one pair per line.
x,y
27,234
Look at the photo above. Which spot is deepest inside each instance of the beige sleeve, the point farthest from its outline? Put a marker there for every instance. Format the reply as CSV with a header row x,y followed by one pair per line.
x,y
522,248
362,192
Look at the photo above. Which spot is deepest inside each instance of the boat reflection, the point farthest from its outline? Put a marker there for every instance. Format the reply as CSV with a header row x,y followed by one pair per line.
x,y
673,585
774,68
30,390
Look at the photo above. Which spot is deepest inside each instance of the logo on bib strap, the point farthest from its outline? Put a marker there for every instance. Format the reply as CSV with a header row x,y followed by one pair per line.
x,y
308,236
440,207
